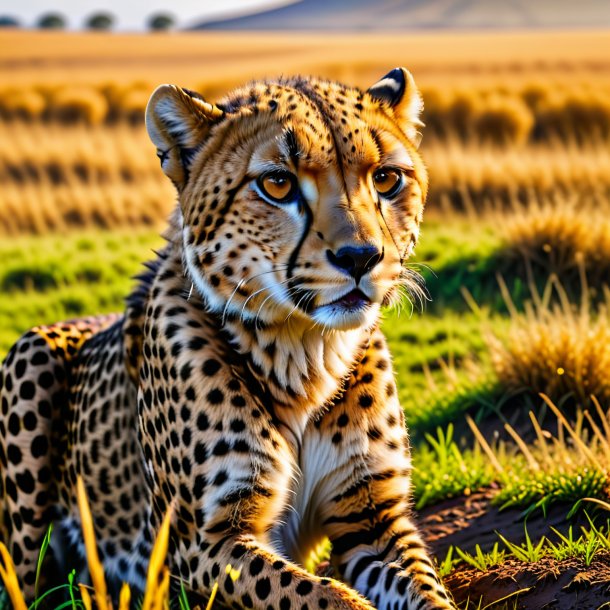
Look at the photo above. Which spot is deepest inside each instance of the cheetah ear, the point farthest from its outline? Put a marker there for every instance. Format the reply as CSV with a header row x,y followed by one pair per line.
x,y
177,121
398,91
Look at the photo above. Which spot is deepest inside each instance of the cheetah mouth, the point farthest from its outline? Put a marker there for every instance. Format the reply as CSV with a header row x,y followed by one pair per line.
x,y
352,310
353,300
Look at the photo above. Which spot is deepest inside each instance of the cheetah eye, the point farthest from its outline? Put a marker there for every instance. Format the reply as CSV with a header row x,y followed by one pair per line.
x,y
388,181
278,186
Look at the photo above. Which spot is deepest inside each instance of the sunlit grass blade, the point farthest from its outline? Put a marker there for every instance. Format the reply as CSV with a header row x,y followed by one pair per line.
x,y
484,444
43,551
85,597
156,574
577,440
11,582
95,566
212,596
183,599
124,597
533,464
601,503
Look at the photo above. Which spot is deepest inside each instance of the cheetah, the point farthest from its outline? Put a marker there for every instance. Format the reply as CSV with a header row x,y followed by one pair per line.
x,y
247,385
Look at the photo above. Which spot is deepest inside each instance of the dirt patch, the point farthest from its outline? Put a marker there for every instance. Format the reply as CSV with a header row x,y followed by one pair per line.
x,y
470,520
561,585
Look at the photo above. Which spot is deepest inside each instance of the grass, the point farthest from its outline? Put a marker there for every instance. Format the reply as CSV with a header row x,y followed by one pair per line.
x,y
562,350
81,596
50,278
76,153
561,238
58,177
584,546
519,166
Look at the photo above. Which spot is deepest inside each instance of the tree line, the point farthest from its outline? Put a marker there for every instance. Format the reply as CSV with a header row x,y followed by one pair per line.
x,y
101,21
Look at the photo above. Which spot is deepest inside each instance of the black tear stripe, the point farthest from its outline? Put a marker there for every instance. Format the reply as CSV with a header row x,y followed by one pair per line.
x,y
385,222
292,261
326,119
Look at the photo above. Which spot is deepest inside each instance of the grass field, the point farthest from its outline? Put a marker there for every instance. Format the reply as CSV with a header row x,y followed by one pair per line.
x,y
515,251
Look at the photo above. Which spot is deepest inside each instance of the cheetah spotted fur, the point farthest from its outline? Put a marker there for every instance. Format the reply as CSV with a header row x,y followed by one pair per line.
x,y
247,385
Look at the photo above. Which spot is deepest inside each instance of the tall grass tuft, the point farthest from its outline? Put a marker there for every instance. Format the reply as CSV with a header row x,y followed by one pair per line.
x,y
561,237
558,349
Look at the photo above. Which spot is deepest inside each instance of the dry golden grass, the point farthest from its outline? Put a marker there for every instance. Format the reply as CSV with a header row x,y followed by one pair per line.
x,y
54,177
492,114
562,237
226,59
561,350
472,175
157,582
475,83
509,118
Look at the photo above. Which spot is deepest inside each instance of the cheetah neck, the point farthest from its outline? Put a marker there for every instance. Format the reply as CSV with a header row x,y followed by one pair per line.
x,y
300,365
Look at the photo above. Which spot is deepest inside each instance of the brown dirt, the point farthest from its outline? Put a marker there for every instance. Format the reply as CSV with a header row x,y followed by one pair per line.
x,y
548,583
467,521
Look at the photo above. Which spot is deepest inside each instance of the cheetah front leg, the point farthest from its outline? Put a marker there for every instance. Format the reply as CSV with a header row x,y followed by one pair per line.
x,y
229,484
366,511
268,581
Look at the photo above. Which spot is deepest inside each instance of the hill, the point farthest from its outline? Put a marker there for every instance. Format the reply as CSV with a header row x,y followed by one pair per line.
x,y
420,14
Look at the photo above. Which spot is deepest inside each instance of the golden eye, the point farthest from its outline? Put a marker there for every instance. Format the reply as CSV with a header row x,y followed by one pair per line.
x,y
279,187
388,181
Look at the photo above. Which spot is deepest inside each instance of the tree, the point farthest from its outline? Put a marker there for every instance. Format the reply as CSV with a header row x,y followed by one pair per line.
x,y
6,21
52,21
161,21
100,21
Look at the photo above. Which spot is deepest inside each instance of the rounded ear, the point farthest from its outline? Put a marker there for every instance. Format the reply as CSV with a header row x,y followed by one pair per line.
x,y
398,91
177,121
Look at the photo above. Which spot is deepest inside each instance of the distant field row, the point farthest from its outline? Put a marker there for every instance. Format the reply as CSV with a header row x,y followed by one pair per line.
x,y
226,59
53,177
495,111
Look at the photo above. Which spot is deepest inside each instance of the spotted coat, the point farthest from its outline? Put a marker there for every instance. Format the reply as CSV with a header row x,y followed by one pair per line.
x,y
247,387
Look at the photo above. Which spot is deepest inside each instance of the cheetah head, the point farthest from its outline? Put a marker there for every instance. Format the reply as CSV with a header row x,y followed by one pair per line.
x,y
300,199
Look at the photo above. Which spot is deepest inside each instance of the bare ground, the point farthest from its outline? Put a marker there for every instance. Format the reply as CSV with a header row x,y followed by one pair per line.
x,y
548,583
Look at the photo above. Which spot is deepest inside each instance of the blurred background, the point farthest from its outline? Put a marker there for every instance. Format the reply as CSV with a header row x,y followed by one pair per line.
x,y
515,248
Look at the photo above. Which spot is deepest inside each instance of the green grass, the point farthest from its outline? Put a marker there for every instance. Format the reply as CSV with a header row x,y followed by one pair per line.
x,y
52,278
584,546
442,470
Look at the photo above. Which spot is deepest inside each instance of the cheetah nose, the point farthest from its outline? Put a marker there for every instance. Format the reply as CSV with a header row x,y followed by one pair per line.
x,y
355,260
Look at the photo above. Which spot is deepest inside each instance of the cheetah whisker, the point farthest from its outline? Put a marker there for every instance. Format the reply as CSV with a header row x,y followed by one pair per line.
x,y
305,296
285,281
243,282
289,293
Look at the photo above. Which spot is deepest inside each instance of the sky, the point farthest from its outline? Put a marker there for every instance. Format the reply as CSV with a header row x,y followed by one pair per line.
x,y
129,14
